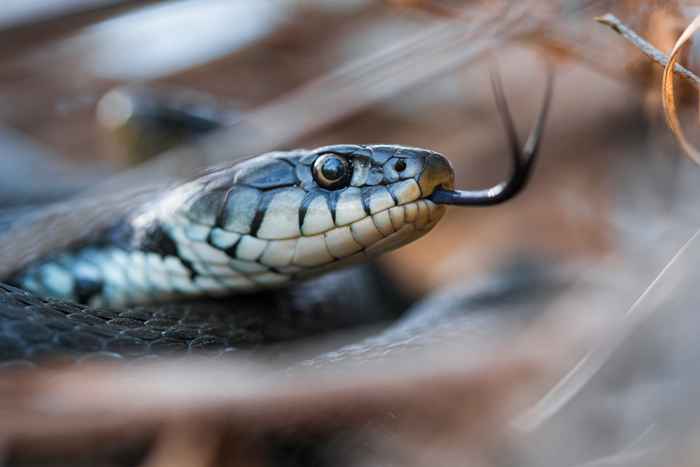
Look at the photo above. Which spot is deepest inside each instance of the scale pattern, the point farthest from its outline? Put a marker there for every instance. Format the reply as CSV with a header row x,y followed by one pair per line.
x,y
33,329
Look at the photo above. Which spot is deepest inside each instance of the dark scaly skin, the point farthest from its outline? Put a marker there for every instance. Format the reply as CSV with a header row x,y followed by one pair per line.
x,y
35,329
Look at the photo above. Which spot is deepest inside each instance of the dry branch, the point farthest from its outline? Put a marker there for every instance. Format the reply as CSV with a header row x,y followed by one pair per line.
x,y
671,69
645,47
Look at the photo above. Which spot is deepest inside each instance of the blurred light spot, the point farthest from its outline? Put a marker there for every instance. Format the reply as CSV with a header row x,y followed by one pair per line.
x,y
165,39
114,109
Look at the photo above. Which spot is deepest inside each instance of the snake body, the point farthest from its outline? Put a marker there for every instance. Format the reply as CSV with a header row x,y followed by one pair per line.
x,y
122,259
264,223
36,329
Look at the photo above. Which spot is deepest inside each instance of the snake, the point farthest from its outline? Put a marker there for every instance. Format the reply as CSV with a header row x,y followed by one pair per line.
x,y
228,257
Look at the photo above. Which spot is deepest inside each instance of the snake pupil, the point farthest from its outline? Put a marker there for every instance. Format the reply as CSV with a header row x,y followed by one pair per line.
x,y
333,169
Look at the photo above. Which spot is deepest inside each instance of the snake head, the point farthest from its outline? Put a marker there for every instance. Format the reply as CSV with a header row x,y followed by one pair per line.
x,y
259,223
286,215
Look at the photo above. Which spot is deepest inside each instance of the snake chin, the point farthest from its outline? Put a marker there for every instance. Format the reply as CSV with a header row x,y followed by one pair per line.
x,y
427,215
409,222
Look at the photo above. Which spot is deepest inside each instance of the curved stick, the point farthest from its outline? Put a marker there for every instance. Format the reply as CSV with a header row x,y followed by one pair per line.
x,y
523,159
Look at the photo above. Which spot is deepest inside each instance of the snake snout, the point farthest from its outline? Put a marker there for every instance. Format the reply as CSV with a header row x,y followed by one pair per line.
x,y
437,172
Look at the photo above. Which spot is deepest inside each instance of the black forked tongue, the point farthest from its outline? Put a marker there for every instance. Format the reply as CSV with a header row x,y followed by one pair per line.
x,y
523,159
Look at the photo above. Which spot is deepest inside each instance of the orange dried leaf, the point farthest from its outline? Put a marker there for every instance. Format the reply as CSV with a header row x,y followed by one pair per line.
x,y
668,94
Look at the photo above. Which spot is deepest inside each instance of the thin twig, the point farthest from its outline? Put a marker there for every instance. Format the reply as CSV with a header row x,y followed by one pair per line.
x,y
645,47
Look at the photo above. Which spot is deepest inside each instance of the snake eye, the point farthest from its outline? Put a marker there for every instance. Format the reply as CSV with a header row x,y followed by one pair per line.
x,y
332,171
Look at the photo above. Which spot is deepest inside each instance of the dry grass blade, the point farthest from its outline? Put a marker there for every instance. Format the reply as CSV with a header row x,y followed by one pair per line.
x,y
33,24
440,49
586,368
426,6
668,94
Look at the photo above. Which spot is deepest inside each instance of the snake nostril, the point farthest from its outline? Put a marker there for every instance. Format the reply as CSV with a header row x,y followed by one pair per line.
x,y
400,165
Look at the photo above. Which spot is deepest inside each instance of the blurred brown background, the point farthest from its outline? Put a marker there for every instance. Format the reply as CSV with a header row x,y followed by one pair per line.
x,y
611,192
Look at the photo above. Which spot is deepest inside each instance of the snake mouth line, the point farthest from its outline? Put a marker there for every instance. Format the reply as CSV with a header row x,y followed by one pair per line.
x,y
365,238
260,263
383,230
256,262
